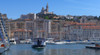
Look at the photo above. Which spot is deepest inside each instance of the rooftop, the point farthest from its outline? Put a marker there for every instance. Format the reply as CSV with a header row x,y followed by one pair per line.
x,y
22,30
90,27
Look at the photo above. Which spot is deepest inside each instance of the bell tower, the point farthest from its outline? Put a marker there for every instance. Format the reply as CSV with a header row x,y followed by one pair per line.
x,y
42,9
47,8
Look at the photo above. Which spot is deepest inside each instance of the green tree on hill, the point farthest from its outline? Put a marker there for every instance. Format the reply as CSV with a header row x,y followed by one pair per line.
x,y
46,17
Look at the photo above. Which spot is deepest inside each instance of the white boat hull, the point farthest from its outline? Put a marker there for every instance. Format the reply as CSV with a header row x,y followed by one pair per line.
x,y
2,50
60,42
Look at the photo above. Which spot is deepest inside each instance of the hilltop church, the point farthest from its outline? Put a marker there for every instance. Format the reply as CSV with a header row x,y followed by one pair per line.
x,y
45,11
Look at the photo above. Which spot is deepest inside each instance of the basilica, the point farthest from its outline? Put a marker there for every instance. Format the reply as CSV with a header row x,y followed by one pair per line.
x,y
45,11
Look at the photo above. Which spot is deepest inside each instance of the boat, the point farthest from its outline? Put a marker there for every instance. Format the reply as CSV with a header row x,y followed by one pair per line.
x,y
2,47
28,41
4,39
83,42
12,41
60,42
97,46
71,42
23,41
50,41
38,43
92,47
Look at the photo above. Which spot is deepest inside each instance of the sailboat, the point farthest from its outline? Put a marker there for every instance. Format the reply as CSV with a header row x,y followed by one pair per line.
x,y
4,39
38,42
50,41
93,39
60,41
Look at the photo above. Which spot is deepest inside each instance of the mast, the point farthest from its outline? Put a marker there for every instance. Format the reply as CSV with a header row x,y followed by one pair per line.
x,y
35,26
1,33
4,33
26,29
9,30
60,30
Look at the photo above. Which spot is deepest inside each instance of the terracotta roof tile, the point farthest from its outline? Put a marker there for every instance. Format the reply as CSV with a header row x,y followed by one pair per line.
x,y
28,19
75,23
90,27
22,30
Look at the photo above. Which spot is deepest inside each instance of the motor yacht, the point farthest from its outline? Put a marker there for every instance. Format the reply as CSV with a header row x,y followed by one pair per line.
x,y
38,43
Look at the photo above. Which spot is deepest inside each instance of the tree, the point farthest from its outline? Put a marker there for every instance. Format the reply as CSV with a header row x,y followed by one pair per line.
x,y
79,17
99,18
46,17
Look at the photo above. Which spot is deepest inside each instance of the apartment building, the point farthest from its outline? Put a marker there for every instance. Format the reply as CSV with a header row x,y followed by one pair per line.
x,y
19,28
84,31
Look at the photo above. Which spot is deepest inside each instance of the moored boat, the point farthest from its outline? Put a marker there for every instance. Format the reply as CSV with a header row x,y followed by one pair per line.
x,y
97,46
2,47
4,39
50,41
12,41
60,42
38,43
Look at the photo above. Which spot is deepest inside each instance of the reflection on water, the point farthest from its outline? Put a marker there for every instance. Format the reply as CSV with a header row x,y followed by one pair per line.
x,y
25,49
70,52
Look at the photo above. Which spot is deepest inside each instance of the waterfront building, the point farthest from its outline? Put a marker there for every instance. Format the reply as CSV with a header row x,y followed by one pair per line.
x,y
83,31
57,29
41,28
91,32
19,28
21,34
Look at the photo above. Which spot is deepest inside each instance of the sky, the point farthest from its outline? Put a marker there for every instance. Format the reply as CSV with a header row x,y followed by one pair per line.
x,y
15,8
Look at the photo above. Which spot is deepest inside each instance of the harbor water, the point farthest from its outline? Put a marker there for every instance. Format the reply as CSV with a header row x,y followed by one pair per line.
x,y
68,49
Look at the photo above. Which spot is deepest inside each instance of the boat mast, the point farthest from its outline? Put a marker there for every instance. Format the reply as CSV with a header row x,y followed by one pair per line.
x,y
1,32
35,33
26,29
5,36
60,30
9,29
